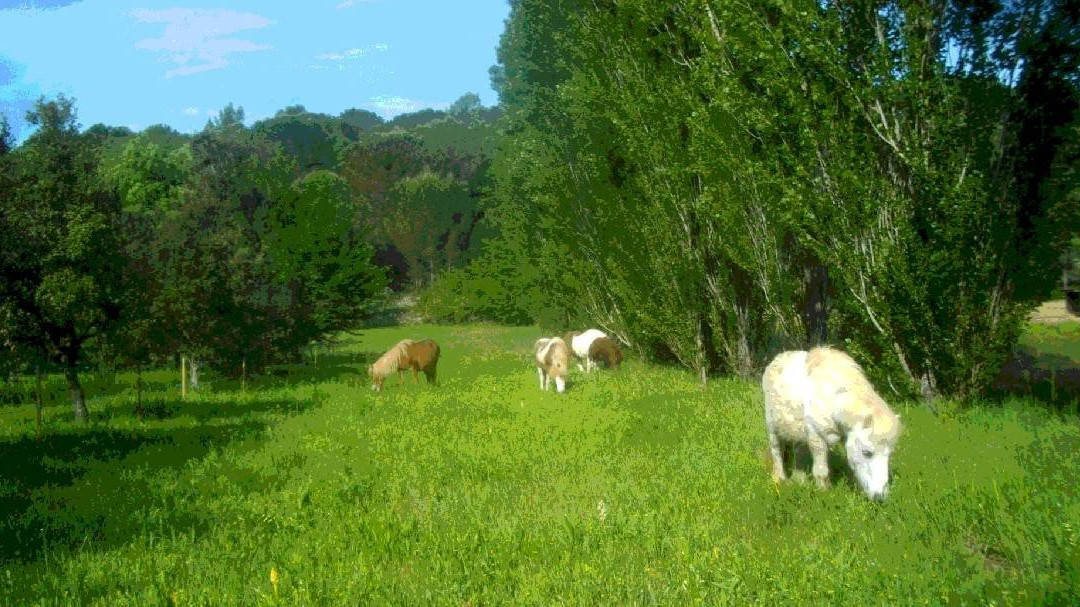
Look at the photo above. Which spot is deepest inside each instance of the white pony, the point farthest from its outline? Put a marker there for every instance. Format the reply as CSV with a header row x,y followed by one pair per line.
x,y
579,345
552,358
818,398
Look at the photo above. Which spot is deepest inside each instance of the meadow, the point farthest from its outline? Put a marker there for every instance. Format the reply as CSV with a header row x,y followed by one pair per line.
x,y
636,486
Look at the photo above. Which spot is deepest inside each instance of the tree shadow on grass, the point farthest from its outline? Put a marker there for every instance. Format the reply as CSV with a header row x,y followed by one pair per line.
x,y
330,367
156,407
1051,378
93,488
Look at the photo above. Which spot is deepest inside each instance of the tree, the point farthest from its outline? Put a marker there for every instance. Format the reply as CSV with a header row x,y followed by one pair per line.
x,y
323,257
848,159
254,265
311,139
424,218
230,117
466,107
355,123
59,269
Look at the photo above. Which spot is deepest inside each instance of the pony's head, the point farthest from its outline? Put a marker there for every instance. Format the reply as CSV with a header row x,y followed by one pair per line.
x,y
869,444
557,360
376,380
558,368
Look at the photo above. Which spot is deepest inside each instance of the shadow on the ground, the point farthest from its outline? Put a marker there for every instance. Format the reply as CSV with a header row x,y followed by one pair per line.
x,y
94,488
329,367
1051,378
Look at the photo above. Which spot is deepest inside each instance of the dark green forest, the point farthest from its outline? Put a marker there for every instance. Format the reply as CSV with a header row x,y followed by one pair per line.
x,y
709,181
236,247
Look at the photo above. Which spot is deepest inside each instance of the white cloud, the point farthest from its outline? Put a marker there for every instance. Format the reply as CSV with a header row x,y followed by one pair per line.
x,y
190,111
193,38
389,106
353,53
340,59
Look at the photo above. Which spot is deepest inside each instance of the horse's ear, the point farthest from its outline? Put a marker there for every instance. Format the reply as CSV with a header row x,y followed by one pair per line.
x,y
868,421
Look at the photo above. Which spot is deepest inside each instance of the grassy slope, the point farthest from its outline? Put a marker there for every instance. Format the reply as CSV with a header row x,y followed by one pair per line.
x,y
486,491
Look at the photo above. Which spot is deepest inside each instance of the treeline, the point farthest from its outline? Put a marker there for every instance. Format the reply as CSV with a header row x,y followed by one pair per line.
x,y
237,247
713,181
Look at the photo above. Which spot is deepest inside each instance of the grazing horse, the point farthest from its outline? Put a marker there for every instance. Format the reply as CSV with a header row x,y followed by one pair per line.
x,y
606,351
552,358
820,397
420,355
591,346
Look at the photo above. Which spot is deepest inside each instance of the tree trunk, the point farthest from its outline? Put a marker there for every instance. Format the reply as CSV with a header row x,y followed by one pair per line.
x,y
138,391
193,373
814,310
183,377
78,398
700,358
40,406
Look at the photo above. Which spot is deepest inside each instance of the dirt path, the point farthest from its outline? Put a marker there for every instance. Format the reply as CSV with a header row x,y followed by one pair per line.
x,y
1052,312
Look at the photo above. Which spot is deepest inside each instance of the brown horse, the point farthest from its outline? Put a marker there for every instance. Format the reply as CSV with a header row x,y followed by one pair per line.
x,y
420,355
606,351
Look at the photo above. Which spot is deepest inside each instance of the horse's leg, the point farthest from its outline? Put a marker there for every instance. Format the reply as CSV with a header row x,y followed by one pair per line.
x,y
777,458
819,450
415,379
540,375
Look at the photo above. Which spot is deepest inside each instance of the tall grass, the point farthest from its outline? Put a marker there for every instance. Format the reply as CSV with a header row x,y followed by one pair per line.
x,y
634,487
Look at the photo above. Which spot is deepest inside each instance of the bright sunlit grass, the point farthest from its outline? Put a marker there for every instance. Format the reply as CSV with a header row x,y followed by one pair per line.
x,y
634,487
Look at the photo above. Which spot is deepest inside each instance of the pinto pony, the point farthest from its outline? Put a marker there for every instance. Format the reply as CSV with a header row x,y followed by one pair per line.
x,y
593,346
552,360
819,398
420,355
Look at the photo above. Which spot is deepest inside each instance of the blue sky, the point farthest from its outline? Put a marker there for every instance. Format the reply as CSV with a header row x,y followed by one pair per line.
x,y
143,62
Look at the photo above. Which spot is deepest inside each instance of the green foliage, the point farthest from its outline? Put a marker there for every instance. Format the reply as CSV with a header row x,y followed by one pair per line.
x,y
715,184
149,177
256,266
60,276
323,257
312,140
466,107
424,217
418,193
493,287
354,123
484,490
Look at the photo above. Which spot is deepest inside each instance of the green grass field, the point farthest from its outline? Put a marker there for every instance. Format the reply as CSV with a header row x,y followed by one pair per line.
x,y
634,487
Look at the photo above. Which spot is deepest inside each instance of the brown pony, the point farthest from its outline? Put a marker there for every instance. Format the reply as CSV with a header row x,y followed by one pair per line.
x,y
420,355
607,351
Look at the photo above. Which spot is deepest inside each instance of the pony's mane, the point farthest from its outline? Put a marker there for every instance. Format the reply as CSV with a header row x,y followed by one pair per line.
x,y
885,424
389,362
